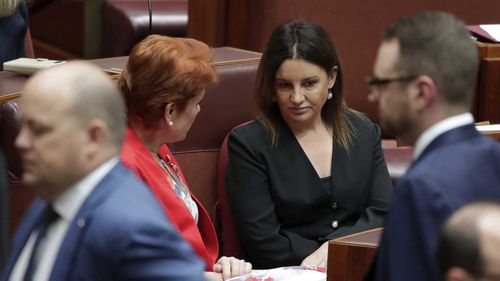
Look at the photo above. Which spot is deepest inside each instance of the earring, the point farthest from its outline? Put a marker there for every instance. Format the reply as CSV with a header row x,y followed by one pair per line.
x,y
330,94
170,123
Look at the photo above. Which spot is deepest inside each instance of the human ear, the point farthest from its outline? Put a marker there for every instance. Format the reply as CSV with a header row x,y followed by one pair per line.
x,y
169,113
426,91
332,76
97,134
457,274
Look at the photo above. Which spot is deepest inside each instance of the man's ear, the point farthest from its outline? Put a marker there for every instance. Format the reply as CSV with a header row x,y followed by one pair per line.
x,y
98,134
332,76
169,113
457,274
426,92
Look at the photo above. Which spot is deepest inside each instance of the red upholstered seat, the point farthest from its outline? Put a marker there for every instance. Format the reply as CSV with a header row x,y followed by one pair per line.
x,y
229,237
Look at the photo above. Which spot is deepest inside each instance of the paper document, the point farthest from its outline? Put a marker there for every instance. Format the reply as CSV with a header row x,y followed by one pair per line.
x,y
489,128
493,30
291,273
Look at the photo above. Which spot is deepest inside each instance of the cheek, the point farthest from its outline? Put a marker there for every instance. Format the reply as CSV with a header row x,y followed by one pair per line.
x,y
281,99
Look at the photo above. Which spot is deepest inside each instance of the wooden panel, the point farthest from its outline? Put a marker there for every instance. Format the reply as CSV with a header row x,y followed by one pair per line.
x,y
488,99
350,257
488,50
206,21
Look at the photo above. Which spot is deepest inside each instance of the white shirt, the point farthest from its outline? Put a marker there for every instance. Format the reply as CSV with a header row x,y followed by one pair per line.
x,y
439,128
66,205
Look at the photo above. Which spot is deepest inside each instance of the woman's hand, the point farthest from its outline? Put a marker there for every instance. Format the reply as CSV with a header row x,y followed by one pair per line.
x,y
230,267
318,257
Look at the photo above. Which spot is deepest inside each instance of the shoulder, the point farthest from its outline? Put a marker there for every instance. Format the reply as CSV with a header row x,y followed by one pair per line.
x,y
128,206
252,133
364,130
359,121
249,129
133,153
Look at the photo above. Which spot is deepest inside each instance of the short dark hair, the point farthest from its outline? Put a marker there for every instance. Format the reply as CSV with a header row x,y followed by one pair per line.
x,y
438,44
296,39
460,237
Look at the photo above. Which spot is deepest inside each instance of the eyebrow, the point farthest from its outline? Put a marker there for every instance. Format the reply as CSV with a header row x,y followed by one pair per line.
x,y
314,77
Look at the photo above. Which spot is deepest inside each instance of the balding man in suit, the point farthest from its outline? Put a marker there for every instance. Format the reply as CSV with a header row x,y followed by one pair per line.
x,y
94,220
469,243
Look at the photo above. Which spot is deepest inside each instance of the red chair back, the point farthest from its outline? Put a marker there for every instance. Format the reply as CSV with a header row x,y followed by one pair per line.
x,y
229,237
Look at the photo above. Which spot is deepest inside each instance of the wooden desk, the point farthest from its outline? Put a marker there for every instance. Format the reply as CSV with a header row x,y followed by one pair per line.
x,y
487,100
350,257
11,84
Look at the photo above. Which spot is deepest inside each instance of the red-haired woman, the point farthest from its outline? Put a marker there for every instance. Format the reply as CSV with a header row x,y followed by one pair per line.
x,y
163,83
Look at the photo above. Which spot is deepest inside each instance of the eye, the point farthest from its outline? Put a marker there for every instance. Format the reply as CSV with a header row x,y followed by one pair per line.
x,y
309,83
283,85
38,130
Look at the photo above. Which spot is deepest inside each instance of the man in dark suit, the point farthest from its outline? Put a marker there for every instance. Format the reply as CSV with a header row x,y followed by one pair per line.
x,y
94,220
469,244
4,204
424,80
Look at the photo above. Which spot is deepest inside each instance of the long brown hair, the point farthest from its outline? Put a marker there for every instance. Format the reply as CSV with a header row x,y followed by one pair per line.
x,y
310,42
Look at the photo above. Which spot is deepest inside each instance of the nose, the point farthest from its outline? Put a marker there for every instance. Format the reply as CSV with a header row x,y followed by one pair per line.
x,y
373,95
297,96
22,140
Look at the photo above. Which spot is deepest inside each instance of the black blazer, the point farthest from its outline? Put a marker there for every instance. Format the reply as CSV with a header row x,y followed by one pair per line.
x,y
12,31
4,207
282,209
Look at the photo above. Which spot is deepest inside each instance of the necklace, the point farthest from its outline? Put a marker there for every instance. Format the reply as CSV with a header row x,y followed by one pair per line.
x,y
178,186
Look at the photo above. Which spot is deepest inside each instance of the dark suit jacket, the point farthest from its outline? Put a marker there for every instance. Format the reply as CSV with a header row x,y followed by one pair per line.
x,y
458,167
126,236
4,207
12,31
281,208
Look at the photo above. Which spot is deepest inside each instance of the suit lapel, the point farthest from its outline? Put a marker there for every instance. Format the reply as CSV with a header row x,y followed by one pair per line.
x,y
23,233
69,248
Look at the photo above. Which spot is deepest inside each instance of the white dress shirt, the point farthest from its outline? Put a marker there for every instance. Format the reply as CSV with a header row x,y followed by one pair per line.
x,y
438,129
66,206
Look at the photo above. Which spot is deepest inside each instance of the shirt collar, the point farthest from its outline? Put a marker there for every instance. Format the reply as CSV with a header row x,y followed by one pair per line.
x,y
68,204
439,128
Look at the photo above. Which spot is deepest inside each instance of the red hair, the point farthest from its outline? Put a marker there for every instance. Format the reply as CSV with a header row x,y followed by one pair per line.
x,y
161,70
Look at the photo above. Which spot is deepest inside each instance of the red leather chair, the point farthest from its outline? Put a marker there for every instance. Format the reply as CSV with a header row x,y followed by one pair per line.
x,y
66,29
229,239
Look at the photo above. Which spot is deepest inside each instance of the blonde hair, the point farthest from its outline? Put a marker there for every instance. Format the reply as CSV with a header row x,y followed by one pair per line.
x,y
8,7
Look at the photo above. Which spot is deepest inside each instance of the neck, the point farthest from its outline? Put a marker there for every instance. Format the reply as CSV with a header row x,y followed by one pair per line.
x,y
430,117
310,128
151,138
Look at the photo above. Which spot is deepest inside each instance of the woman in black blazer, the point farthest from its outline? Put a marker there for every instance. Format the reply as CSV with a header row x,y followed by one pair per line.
x,y
308,169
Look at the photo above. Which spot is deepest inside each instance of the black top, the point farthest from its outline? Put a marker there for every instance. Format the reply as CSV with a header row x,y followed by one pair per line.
x,y
12,32
282,209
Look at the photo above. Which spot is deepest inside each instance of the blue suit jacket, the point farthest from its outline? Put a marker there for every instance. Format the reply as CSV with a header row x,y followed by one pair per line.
x,y
458,167
125,236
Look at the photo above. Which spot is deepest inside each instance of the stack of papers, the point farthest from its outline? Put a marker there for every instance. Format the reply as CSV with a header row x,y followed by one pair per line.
x,y
29,66
489,32
292,273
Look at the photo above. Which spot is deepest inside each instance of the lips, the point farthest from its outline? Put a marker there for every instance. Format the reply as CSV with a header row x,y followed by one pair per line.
x,y
298,110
